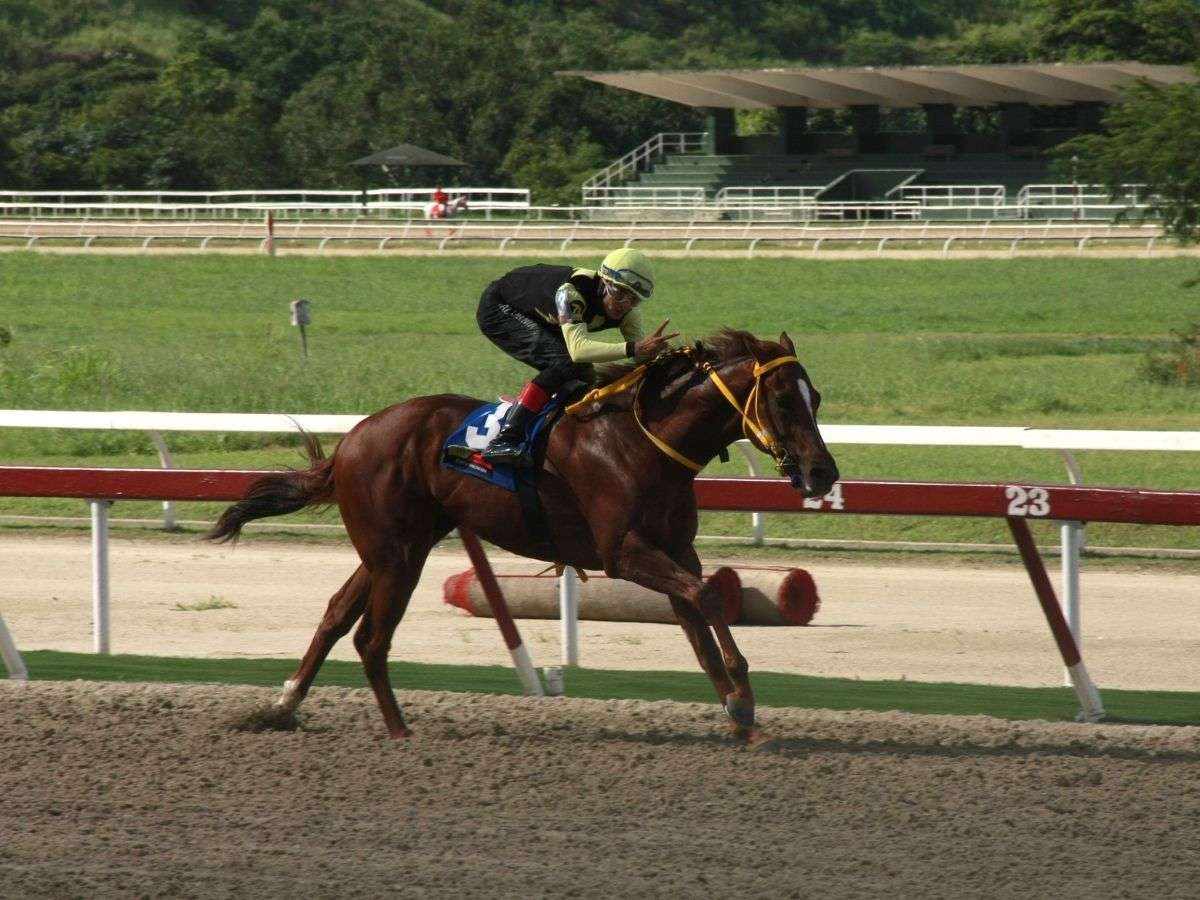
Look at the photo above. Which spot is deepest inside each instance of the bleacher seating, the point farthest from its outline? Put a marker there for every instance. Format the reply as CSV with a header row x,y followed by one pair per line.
x,y
713,172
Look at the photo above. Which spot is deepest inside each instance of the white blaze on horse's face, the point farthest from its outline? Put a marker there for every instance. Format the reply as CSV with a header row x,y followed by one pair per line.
x,y
807,395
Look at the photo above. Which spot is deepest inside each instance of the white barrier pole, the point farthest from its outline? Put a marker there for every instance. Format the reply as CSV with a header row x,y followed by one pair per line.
x,y
568,616
10,655
100,574
756,518
164,456
1072,546
1072,539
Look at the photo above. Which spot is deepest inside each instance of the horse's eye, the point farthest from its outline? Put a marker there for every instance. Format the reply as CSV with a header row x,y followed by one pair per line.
x,y
786,404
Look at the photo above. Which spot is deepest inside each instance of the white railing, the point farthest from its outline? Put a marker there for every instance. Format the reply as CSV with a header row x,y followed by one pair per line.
x,y
953,195
768,196
1064,194
196,205
637,195
750,227
640,158
1080,200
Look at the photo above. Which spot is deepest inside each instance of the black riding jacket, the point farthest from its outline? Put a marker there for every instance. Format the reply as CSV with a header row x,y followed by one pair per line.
x,y
567,301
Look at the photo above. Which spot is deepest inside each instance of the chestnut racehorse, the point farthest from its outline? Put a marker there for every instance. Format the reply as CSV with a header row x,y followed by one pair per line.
x,y
615,483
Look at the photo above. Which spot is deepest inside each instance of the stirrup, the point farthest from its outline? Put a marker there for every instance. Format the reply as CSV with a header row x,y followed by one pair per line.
x,y
513,453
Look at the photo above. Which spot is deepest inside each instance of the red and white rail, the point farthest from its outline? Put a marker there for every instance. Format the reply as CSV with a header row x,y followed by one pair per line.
x,y
1016,503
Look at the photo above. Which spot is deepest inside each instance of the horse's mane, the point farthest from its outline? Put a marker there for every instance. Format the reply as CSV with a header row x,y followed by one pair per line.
x,y
727,344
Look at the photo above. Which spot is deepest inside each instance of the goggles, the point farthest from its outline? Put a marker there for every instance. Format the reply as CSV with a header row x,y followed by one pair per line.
x,y
628,278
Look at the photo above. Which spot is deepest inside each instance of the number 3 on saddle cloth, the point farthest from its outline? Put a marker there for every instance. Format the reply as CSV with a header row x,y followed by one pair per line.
x,y
463,452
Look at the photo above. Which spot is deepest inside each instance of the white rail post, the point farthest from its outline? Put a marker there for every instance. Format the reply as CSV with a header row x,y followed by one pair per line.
x,y
1072,534
164,457
568,615
756,518
100,574
1072,540
10,655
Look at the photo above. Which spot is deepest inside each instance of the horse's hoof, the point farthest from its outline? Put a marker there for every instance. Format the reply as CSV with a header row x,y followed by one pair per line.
x,y
740,710
756,739
400,735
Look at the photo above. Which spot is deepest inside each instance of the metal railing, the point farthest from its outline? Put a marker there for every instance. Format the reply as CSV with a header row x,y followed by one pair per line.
x,y
687,232
641,157
952,195
768,196
641,195
197,205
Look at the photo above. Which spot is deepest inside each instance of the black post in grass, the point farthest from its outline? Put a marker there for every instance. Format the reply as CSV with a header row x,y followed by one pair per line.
x,y
302,316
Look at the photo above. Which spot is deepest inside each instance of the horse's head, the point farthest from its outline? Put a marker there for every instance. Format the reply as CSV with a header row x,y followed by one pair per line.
x,y
783,406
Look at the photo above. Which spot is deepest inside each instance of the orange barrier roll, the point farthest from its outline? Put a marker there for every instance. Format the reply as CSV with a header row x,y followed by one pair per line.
x,y
601,599
777,597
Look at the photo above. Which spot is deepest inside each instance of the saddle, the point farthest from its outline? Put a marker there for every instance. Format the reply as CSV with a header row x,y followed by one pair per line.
x,y
463,449
463,452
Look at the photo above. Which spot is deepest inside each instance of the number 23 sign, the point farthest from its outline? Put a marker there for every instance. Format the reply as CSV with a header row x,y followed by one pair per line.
x,y
1022,501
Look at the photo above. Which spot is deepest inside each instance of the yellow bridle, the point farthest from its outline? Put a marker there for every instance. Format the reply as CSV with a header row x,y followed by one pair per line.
x,y
751,419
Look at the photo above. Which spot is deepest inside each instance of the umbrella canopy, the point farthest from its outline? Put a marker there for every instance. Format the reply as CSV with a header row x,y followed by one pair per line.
x,y
407,155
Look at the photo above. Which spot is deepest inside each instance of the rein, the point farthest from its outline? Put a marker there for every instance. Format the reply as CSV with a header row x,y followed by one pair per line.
x,y
752,424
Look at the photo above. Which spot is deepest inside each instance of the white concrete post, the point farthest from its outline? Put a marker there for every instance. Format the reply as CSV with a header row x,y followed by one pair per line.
x,y
100,574
10,654
568,616
1072,541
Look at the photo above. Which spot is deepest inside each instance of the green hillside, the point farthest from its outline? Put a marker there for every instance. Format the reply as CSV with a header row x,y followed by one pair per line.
x,y
228,94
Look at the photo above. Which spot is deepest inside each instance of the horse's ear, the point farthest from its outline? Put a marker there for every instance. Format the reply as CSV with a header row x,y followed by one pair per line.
x,y
786,342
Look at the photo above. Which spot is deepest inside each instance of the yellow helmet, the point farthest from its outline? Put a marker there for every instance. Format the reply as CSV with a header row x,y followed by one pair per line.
x,y
629,268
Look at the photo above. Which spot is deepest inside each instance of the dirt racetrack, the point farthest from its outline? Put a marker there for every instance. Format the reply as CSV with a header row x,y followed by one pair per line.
x,y
132,791
148,790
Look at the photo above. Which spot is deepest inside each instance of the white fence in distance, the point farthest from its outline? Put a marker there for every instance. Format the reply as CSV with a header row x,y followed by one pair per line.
x,y
241,204
475,235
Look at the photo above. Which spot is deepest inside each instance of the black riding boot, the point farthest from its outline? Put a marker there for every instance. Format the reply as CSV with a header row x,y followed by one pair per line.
x,y
508,447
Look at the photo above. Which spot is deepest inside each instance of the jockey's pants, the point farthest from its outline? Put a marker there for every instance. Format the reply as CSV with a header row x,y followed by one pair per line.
x,y
525,339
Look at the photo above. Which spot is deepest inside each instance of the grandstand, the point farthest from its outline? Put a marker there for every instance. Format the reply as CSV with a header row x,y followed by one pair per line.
x,y
1031,109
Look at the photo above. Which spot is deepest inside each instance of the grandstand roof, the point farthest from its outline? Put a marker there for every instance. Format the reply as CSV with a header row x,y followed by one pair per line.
x,y
1041,84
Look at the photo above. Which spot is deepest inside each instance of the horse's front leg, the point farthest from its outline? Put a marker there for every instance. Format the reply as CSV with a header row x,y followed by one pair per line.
x,y
739,700
697,607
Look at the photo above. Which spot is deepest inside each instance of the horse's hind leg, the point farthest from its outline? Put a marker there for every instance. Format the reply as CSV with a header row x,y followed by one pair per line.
x,y
392,584
343,611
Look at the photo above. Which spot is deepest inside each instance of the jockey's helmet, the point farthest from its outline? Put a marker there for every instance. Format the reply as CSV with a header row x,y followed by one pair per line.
x,y
630,268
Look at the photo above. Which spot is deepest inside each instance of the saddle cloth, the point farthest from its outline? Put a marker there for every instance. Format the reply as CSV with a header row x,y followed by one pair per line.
x,y
463,450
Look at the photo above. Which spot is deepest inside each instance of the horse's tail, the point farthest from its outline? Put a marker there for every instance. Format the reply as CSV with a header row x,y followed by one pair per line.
x,y
279,493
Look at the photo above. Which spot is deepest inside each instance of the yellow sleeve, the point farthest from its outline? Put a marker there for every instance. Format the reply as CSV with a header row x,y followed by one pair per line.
x,y
584,349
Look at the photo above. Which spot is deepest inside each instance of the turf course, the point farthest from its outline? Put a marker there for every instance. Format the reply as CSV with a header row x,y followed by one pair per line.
x,y
771,688
1051,342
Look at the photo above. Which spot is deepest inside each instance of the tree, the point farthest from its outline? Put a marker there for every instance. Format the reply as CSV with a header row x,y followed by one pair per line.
x,y
1152,139
1088,30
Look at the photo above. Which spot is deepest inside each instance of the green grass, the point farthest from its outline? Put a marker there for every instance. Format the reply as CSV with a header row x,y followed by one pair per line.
x,y
771,688
1051,342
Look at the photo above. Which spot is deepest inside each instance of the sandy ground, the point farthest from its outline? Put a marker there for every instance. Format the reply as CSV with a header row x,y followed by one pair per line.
x,y
901,621
119,790
146,791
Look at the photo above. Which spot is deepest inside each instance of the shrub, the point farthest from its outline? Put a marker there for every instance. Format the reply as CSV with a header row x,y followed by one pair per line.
x,y
1179,362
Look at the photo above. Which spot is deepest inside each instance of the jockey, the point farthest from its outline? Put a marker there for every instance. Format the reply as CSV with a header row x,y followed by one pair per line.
x,y
438,209
544,316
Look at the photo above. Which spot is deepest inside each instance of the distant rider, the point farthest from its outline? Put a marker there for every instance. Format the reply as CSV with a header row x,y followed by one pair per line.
x,y
545,315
